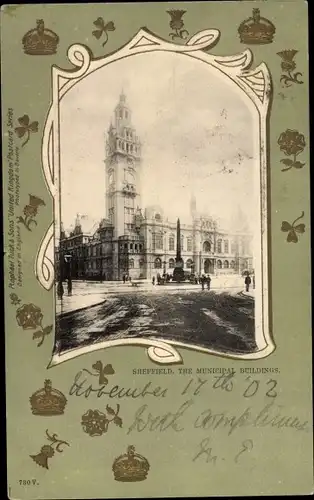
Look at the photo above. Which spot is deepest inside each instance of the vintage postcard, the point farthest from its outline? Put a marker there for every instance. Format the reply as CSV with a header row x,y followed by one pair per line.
x,y
157,249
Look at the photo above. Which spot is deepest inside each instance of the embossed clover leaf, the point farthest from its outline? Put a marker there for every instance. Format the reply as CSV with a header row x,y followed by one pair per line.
x,y
102,29
293,229
26,128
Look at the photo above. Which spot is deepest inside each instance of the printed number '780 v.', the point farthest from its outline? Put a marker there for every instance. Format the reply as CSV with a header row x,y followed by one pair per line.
x,y
28,482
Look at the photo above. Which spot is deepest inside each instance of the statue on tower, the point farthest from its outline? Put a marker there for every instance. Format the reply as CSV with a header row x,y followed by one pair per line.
x,y
178,272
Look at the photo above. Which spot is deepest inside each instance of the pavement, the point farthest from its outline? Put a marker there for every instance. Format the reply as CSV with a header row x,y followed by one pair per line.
x,y
218,318
87,294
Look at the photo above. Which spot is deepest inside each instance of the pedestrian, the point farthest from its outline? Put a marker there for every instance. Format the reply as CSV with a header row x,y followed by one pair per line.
x,y
247,282
153,280
130,279
69,287
208,280
158,279
123,277
202,280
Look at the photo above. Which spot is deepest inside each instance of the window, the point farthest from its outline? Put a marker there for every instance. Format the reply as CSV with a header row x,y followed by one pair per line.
x,y
219,246
226,246
135,246
189,245
226,264
171,242
125,246
140,247
127,147
120,113
131,263
158,217
131,246
171,263
189,263
157,263
232,264
219,264
157,241
206,246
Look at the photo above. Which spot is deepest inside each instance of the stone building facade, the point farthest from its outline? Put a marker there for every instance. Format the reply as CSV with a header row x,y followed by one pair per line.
x,y
142,242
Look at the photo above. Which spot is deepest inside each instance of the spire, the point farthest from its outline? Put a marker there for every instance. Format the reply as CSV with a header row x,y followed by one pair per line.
x,y
77,220
193,205
122,97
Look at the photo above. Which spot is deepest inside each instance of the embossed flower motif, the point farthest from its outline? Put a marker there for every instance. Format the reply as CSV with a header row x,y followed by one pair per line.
x,y
47,450
287,56
291,142
293,229
177,23
26,128
94,423
14,299
29,316
288,65
30,211
102,29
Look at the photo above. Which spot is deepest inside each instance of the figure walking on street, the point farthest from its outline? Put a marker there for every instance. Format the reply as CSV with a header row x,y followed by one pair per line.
x,y
153,280
202,280
69,287
208,280
123,277
247,282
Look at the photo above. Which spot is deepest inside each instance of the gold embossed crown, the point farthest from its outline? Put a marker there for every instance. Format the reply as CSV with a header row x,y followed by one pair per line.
x,y
40,41
256,29
48,401
130,467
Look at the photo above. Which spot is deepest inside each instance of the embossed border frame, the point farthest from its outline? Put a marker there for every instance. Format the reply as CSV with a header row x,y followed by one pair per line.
x,y
255,83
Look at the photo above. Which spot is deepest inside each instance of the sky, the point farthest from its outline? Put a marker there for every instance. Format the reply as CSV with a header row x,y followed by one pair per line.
x,y
198,137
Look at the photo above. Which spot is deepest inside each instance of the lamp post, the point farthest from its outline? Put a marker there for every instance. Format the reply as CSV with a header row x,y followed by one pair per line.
x,y
60,289
68,261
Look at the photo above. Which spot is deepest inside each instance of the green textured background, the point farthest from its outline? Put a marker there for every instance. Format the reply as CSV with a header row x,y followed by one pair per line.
x,y
281,460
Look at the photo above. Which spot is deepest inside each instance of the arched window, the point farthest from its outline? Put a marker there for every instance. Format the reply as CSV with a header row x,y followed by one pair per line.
x,y
219,264
226,264
232,264
219,246
127,147
131,263
121,114
226,246
157,263
206,246
171,242
171,263
189,263
189,245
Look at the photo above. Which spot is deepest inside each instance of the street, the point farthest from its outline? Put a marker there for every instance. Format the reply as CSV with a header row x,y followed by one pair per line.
x,y
221,320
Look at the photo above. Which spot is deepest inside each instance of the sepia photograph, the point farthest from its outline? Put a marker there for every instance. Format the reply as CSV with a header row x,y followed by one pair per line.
x,y
158,226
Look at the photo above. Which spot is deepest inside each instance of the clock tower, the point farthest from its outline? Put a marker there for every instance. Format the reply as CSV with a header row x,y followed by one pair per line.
x,y
123,165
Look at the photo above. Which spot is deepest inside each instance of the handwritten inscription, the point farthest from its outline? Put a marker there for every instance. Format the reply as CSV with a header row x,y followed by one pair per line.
x,y
14,241
258,408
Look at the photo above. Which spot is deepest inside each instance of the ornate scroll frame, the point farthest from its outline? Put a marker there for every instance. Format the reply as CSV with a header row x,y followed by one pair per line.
x,y
256,85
